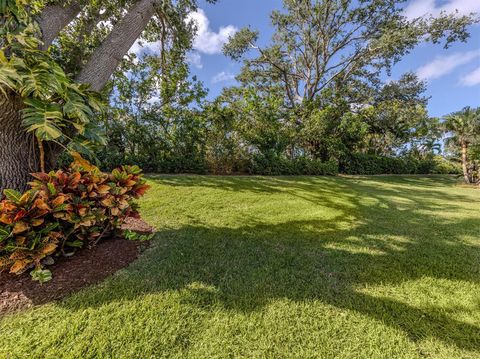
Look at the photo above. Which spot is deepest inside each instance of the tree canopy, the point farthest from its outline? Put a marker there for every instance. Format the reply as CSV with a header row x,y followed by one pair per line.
x,y
328,44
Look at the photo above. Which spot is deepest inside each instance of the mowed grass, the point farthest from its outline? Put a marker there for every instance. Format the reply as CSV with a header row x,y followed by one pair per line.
x,y
301,267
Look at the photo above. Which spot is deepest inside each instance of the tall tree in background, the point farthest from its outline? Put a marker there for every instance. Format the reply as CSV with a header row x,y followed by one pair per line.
x,y
329,59
396,115
89,39
463,130
335,44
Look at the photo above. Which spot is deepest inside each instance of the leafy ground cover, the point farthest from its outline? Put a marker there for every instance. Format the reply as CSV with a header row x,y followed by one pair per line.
x,y
358,267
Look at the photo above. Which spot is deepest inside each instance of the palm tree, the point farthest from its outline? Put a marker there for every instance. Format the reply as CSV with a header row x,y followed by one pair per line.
x,y
463,129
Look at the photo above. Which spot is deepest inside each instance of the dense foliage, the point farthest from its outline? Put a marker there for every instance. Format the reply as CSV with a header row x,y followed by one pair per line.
x,y
53,56
310,101
55,108
313,97
284,166
367,164
63,211
241,132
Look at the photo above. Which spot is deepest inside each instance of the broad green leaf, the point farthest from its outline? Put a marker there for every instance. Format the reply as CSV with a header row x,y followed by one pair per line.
x,y
49,228
76,244
12,195
8,77
52,189
43,119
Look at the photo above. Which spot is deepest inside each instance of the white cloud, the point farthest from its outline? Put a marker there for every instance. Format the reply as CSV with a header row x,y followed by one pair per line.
x,y
195,59
419,8
443,65
472,79
208,41
142,47
223,77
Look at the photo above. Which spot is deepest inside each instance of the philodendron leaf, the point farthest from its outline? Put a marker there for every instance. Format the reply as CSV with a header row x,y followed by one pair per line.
x,y
43,119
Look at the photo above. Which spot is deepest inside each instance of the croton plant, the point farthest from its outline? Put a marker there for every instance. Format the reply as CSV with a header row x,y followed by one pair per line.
x,y
63,211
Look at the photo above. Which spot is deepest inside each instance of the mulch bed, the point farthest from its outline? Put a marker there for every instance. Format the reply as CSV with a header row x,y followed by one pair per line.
x,y
86,267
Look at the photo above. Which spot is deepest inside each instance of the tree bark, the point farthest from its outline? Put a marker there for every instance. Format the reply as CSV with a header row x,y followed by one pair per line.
x,y
55,18
17,156
108,55
466,175
18,149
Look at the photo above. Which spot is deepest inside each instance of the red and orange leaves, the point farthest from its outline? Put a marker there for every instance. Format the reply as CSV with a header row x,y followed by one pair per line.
x,y
65,210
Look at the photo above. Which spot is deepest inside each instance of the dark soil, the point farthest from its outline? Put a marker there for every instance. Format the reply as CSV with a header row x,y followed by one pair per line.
x,y
86,267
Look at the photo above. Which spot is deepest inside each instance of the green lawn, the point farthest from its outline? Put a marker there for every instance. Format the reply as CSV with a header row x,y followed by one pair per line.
x,y
305,267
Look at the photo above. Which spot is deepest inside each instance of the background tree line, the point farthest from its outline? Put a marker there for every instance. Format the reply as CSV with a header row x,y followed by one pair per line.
x,y
313,101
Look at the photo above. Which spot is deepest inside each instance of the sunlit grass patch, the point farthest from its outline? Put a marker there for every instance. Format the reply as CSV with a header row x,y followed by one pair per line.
x,y
358,267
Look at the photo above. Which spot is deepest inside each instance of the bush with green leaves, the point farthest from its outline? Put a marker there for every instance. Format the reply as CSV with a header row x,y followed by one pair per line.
x,y
368,164
276,165
445,166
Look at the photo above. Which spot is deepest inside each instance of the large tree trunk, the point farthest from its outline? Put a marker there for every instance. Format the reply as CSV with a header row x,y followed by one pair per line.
x,y
466,175
106,58
17,155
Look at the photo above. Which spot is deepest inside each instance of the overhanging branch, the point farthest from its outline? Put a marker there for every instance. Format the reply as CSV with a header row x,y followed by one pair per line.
x,y
55,18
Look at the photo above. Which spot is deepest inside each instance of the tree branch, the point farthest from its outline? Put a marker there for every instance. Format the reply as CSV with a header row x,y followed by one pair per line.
x,y
55,18
108,55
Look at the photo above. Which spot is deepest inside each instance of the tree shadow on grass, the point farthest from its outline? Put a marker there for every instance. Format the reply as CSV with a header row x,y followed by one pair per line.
x,y
384,236
320,189
266,184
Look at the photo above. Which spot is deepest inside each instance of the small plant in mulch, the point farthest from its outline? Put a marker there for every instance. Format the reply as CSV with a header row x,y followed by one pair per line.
x,y
64,211
136,236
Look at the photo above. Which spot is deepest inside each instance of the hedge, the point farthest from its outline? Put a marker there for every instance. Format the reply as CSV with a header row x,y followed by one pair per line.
x,y
366,164
275,166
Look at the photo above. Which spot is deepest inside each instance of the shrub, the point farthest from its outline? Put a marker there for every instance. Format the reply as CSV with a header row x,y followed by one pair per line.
x,y
367,164
277,165
63,211
192,163
446,167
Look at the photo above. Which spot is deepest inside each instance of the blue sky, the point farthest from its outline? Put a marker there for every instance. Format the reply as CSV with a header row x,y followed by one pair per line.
x,y
453,75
